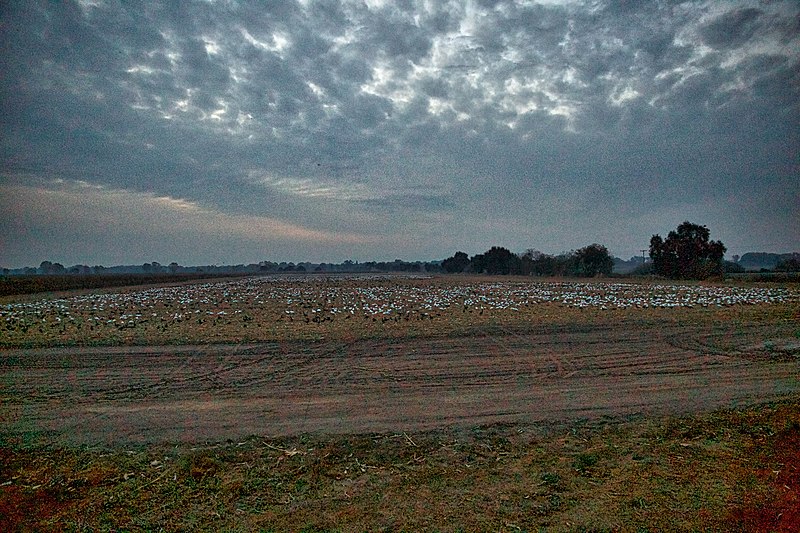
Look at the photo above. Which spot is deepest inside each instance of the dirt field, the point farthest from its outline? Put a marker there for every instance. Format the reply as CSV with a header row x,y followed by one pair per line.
x,y
548,373
402,404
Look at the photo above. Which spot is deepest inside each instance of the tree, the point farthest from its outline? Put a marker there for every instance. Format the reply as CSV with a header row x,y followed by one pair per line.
x,y
458,263
790,264
687,253
536,263
732,267
46,267
526,261
593,260
477,263
500,260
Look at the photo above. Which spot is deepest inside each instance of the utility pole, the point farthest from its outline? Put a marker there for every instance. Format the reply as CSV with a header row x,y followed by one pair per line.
x,y
643,259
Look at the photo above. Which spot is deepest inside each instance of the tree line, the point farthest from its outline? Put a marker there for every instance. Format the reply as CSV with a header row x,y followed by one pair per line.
x,y
590,261
686,253
49,268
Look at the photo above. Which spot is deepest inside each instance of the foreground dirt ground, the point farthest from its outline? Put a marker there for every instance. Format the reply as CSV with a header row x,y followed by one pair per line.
x,y
546,373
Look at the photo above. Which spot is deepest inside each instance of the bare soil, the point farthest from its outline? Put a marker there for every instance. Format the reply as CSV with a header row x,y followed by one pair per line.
x,y
532,375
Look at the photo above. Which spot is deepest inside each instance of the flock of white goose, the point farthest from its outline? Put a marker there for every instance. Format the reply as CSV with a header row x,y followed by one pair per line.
x,y
368,296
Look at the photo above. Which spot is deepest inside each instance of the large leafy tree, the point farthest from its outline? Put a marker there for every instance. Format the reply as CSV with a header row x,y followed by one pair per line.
x,y
501,260
687,253
593,260
458,263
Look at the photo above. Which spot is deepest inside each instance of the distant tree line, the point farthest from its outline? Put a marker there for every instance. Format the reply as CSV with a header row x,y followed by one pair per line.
x,y
48,268
593,260
768,262
686,253
791,264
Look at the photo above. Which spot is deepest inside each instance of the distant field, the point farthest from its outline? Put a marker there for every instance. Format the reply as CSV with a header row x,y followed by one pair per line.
x,y
402,402
365,306
18,285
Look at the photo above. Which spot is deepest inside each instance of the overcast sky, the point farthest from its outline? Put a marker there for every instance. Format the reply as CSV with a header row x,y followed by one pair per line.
x,y
224,132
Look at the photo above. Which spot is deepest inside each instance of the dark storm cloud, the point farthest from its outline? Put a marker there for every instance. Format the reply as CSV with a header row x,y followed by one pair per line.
x,y
443,120
731,29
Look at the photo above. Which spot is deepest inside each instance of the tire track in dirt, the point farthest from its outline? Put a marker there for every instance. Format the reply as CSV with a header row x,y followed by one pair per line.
x,y
496,375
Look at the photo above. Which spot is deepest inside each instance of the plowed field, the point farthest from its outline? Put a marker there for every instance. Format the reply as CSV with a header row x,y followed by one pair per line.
x,y
531,374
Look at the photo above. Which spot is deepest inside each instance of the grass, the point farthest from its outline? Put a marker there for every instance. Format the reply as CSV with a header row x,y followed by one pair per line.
x,y
729,470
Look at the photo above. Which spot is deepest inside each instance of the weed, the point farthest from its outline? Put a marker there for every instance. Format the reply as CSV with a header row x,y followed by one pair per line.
x,y
584,461
638,503
550,478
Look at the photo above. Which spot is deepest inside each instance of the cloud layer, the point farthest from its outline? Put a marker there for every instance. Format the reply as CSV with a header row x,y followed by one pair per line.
x,y
398,129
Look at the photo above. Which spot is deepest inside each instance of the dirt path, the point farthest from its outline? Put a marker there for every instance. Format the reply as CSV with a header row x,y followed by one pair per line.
x,y
199,393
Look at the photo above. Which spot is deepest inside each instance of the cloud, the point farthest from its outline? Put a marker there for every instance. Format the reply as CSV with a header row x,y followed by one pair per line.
x,y
401,116
732,29
80,212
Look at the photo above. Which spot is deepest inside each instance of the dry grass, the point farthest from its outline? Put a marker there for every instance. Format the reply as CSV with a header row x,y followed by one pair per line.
x,y
730,470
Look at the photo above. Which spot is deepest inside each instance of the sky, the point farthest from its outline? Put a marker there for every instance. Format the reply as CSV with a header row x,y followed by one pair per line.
x,y
225,132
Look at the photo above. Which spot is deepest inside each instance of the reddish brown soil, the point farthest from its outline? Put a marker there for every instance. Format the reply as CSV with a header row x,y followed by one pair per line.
x,y
780,509
217,392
